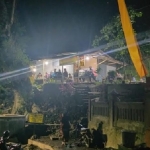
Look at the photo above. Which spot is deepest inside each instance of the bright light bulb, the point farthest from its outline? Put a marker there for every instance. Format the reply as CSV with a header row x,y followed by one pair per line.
x,y
87,58
34,70
46,63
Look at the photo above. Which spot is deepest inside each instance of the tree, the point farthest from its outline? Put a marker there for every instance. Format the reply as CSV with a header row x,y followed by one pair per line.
x,y
112,36
12,46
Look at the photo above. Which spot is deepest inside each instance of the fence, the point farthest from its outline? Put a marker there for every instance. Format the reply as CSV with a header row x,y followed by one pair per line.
x,y
131,111
100,109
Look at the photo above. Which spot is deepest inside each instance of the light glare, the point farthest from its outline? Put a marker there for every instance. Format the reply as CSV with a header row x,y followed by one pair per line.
x,y
87,58
46,63
34,70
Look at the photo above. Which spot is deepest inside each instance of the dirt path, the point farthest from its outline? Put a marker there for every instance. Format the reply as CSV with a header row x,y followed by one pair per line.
x,y
17,102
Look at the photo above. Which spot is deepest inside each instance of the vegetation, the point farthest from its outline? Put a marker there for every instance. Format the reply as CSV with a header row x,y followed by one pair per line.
x,y
98,69
12,57
112,38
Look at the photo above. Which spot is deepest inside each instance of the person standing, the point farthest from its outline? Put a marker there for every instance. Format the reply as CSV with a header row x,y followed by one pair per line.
x,y
59,74
92,74
65,128
65,73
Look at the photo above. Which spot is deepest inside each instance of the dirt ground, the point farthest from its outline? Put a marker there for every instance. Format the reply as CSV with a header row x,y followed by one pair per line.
x,y
56,145
30,147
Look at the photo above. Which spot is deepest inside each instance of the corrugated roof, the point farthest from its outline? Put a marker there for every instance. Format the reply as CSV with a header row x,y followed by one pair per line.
x,y
95,52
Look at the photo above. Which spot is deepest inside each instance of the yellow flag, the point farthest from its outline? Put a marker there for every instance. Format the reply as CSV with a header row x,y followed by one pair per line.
x,y
131,41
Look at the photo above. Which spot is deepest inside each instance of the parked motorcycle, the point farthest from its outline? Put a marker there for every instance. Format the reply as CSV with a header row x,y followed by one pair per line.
x,y
82,135
86,137
8,146
89,139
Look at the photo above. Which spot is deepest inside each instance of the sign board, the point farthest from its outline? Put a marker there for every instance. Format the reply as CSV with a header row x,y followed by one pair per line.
x,y
82,61
67,61
36,118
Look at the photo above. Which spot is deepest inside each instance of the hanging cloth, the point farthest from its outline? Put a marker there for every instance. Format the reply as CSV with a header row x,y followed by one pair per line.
x,y
131,41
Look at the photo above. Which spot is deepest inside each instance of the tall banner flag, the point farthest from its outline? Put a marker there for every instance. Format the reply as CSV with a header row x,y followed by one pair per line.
x,y
131,41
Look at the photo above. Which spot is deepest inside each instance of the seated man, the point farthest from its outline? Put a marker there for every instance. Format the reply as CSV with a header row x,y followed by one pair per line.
x,y
69,79
39,76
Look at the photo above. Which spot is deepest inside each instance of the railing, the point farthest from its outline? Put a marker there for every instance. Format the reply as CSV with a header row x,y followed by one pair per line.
x,y
133,111
129,111
100,109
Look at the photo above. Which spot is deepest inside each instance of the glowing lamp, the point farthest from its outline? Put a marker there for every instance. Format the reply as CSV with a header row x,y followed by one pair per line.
x,y
34,70
87,58
46,63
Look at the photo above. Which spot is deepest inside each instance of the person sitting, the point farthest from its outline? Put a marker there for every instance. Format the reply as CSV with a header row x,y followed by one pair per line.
x,y
119,77
70,76
46,75
53,74
39,76
133,79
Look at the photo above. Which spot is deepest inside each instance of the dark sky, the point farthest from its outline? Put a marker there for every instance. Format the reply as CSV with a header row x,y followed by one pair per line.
x,y
57,26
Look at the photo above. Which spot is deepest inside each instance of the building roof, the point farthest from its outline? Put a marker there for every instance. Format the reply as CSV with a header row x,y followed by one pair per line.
x,y
100,55
95,52
105,58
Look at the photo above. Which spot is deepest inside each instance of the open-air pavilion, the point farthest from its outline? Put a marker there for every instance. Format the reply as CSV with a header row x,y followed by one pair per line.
x,y
75,61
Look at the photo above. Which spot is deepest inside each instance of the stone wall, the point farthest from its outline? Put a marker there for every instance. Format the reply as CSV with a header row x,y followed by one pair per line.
x,y
114,133
135,103
13,123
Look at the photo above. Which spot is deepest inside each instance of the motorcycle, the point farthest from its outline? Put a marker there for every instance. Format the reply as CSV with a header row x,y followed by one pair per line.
x,y
82,136
94,139
8,146
86,137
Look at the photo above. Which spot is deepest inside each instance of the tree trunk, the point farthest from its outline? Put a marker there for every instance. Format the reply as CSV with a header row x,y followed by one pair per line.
x,y
12,17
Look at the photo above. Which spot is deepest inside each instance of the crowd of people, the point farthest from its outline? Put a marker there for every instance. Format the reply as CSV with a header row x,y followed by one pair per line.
x,y
59,75
86,75
56,75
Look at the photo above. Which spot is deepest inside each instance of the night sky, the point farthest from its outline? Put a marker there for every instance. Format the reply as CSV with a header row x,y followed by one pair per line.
x,y
56,26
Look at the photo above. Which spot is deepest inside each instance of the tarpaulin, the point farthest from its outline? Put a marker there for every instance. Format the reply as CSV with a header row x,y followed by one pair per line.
x,y
131,41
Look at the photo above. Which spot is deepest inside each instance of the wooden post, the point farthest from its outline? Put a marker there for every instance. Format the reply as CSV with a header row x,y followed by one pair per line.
x,y
78,68
43,71
146,107
147,116
111,111
12,17
13,12
62,74
89,109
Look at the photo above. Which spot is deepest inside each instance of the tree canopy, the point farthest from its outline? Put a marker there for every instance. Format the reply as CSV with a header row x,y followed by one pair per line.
x,y
12,46
13,41
112,37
